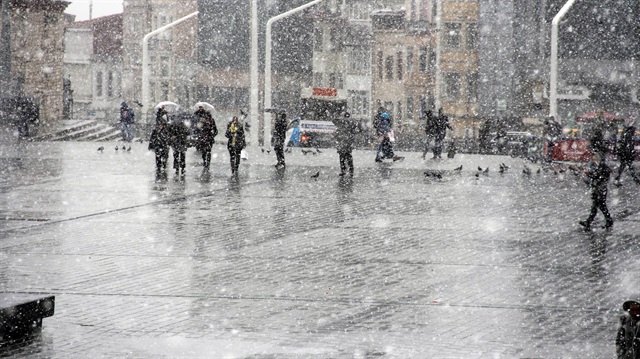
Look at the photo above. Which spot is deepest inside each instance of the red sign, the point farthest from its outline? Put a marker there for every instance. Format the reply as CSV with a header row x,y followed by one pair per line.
x,y
324,91
575,150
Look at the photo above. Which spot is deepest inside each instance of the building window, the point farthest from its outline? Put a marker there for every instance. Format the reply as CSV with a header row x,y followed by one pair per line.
x,y
410,108
242,97
424,59
472,87
335,40
409,59
389,67
317,79
472,36
152,91
452,35
317,39
452,85
164,66
433,60
165,91
340,80
380,65
400,68
359,60
399,114
223,96
99,84
332,80
359,105
110,84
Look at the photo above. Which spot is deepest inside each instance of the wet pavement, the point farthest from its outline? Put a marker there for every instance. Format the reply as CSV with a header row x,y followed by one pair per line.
x,y
277,264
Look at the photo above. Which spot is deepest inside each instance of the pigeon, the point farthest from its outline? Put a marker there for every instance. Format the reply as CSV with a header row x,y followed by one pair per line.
x,y
479,169
503,168
262,149
458,168
486,171
305,152
101,148
129,149
140,140
434,174
316,175
526,171
116,148
538,171
268,151
138,103
318,150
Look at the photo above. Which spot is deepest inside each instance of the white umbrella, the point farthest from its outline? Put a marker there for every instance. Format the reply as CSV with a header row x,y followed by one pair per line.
x,y
207,106
168,105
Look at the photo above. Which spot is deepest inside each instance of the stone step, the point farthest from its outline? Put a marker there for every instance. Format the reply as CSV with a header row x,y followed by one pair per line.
x,y
69,126
21,316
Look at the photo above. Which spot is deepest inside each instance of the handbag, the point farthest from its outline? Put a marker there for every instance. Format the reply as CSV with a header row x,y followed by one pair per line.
x,y
391,136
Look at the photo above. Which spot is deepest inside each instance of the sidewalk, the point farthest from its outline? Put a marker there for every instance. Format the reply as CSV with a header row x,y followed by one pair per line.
x,y
390,264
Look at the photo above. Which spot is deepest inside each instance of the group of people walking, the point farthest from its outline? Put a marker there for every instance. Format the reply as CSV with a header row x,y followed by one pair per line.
x,y
175,135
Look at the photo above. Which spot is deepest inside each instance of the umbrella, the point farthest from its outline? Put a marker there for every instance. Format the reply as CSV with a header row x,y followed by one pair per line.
x,y
168,105
598,115
294,123
207,106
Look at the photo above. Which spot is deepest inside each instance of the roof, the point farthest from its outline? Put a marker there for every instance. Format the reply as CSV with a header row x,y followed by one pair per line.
x,y
107,34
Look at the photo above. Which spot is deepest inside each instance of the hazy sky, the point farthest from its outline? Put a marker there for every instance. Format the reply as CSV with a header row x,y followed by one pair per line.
x,y
80,8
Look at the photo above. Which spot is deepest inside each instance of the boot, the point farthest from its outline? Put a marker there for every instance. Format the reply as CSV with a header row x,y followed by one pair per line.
x,y
586,225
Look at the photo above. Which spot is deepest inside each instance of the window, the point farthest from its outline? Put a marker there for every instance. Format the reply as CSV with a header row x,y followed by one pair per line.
x,y
152,90
317,79
424,58
332,80
410,108
399,116
389,67
472,87
399,68
110,84
242,97
409,59
472,36
380,65
452,85
99,84
164,88
317,39
359,105
433,60
335,40
359,60
223,96
164,66
203,93
339,80
452,35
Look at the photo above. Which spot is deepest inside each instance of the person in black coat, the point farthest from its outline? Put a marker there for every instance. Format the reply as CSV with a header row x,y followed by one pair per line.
x,y
345,135
179,143
162,116
440,132
279,135
628,336
206,137
159,143
597,143
429,127
626,154
235,134
598,176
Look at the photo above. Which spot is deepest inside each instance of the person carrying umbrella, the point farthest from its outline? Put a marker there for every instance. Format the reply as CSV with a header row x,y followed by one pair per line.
x,y
206,138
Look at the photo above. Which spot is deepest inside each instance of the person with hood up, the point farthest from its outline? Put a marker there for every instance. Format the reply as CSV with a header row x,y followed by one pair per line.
x,y
278,137
626,153
628,336
345,136
206,137
127,119
179,143
385,137
598,176
235,134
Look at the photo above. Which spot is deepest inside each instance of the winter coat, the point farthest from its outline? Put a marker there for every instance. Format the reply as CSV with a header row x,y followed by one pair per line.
x,y
628,338
127,116
346,129
280,131
626,147
160,138
235,134
208,130
430,123
442,124
597,143
598,176
162,116
179,136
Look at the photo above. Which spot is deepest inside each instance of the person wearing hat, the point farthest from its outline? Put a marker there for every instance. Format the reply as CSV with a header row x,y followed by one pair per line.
x,y
598,176
628,337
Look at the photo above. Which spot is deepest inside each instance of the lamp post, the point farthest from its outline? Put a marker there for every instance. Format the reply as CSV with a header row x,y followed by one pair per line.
x,y
255,96
438,103
267,66
145,59
553,74
5,54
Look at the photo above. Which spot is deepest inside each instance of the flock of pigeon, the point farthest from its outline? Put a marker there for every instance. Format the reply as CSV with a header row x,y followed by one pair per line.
x,y
503,168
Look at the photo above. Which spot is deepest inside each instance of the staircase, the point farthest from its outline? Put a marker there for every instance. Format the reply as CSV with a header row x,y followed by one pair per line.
x,y
82,130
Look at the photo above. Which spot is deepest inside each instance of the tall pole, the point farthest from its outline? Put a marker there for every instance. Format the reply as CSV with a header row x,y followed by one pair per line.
x,y
5,54
267,67
145,60
553,75
438,102
255,96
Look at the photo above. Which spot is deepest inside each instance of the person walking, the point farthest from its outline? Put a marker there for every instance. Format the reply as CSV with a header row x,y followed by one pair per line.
x,y
385,137
235,134
429,128
127,119
628,336
598,176
159,143
206,137
597,143
440,132
626,154
346,130
179,143
278,137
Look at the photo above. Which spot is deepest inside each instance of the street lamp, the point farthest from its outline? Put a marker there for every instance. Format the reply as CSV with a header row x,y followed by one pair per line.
x,y
255,96
553,75
267,67
145,59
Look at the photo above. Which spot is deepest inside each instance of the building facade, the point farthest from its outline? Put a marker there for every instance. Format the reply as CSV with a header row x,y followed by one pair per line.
x,y
37,52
